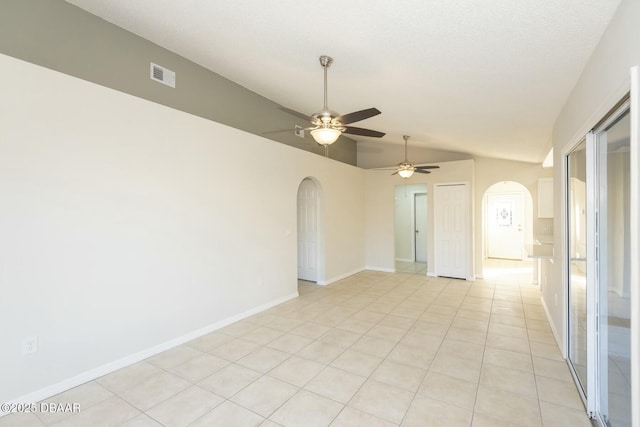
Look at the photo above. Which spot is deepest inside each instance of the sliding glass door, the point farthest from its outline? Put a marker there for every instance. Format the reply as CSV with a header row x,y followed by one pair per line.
x,y
613,281
577,268
599,264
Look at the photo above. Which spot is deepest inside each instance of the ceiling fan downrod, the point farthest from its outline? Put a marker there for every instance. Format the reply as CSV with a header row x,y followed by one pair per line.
x,y
406,139
325,62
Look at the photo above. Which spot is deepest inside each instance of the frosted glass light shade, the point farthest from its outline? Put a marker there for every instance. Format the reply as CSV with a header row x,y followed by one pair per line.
x,y
405,173
325,136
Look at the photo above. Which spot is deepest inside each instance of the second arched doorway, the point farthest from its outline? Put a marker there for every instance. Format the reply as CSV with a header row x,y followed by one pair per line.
x,y
507,229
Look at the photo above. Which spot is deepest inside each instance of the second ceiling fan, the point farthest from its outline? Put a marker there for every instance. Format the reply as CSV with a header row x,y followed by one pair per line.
x,y
406,169
327,125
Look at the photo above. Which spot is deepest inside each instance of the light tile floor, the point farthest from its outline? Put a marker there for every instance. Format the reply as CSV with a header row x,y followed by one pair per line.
x,y
411,267
508,271
375,349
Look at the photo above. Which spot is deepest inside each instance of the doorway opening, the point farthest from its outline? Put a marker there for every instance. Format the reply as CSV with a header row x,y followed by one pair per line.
x,y
411,233
310,232
507,218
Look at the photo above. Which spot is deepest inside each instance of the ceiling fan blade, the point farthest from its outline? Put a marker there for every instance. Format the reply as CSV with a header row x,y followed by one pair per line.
x,y
363,132
356,116
427,167
394,173
295,113
420,171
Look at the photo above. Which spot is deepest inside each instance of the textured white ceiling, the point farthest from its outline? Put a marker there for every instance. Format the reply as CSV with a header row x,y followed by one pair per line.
x,y
486,77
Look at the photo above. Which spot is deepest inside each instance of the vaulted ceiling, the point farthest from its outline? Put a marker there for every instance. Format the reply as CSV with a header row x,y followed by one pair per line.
x,y
483,77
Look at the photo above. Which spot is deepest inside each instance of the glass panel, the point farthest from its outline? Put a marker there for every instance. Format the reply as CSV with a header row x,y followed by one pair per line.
x,y
577,245
614,339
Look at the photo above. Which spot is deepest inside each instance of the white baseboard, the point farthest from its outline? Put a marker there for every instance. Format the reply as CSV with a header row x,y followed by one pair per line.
x,y
556,335
431,274
105,369
340,277
382,269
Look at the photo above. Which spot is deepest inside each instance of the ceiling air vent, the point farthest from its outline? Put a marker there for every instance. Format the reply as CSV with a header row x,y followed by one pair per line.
x,y
163,75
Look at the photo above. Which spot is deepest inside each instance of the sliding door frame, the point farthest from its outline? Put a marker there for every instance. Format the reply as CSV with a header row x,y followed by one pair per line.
x,y
635,244
588,392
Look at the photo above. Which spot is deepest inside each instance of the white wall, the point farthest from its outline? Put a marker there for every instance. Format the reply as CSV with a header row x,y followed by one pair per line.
x,y
482,173
604,81
379,206
126,226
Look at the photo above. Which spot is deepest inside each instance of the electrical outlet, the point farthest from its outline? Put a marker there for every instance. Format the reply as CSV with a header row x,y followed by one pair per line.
x,y
299,131
30,345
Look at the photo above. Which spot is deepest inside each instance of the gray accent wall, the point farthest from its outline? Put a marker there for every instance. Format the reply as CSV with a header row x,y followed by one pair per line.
x,y
60,36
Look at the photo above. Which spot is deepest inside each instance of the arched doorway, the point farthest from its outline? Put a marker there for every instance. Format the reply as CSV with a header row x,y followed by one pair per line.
x,y
309,236
507,219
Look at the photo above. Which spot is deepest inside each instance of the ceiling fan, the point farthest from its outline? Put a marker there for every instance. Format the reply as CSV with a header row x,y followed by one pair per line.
x,y
406,169
326,125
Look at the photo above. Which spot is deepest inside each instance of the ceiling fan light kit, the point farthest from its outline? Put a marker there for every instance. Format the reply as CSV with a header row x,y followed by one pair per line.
x,y
325,136
405,173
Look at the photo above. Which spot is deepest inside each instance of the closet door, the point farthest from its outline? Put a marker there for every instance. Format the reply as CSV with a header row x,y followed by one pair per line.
x,y
452,218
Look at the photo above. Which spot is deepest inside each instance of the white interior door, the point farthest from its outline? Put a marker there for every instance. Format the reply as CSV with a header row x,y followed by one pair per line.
x,y
505,225
420,226
308,231
452,217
